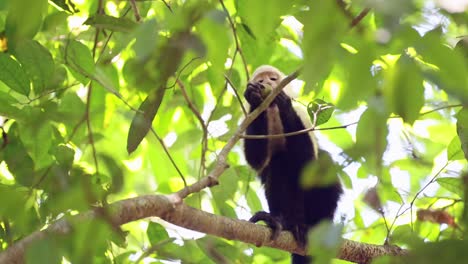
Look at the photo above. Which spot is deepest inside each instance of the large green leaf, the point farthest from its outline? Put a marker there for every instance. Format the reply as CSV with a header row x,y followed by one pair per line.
x,y
451,73
404,91
24,18
260,17
13,75
371,136
103,21
80,61
37,62
321,42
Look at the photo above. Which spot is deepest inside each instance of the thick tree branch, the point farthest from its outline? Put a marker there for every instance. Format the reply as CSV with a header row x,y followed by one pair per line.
x,y
170,210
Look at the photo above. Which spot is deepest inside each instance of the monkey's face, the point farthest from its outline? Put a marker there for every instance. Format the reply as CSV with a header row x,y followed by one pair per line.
x,y
267,77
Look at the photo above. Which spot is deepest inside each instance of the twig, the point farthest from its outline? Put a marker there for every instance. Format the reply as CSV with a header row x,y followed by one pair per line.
x,y
440,108
202,123
236,93
359,17
161,142
135,10
167,5
295,133
236,38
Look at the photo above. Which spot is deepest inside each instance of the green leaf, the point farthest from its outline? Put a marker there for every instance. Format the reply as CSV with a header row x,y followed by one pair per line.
x,y
80,61
324,241
320,109
451,184
462,129
143,119
24,19
37,62
371,136
404,92
262,19
451,73
156,233
405,235
8,106
13,75
36,135
321,42
66,5
119,24
454,150
19,162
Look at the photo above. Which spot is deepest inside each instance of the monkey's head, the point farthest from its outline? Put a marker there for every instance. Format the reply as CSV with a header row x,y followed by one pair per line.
x,y
269,75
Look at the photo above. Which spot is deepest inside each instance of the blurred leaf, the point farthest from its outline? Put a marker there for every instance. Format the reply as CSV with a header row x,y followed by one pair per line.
x,y
324,241
371,136
171,55
24,19
462,129
321,40
37,62
156,233
405,92
80,60
19,162
453,185
405,235
8,106
119,24
454,150
143,119
66,5
13,75
451,73
270,18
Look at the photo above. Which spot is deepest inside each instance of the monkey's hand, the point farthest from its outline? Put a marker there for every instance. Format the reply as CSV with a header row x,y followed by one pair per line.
x,y
282,101
253,94
272,222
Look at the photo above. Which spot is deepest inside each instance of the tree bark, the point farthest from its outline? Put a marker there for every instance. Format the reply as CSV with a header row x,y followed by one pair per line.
x,y
171,209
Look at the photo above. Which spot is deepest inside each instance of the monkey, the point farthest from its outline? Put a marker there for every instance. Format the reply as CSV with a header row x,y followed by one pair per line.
x,y
279,162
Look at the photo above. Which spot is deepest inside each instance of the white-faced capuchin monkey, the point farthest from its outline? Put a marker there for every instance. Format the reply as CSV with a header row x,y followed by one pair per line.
x,y
279,162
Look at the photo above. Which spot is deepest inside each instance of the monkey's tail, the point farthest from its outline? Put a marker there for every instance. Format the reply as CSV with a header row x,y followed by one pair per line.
x,y
298,259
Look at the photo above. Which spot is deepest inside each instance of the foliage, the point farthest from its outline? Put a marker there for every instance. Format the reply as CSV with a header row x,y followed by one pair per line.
x,y
85,83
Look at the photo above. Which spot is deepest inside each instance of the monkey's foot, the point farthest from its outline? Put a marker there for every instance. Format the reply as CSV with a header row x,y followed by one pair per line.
x,y
272,222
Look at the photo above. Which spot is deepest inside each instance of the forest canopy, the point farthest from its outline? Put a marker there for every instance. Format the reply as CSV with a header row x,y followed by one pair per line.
x,y
122,121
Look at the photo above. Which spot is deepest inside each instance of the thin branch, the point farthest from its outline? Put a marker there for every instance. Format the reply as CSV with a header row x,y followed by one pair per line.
x,y
212,178
236,93
135,10
202,124
167,5
440,108
295,133
236,39
161,142
168,208
359,17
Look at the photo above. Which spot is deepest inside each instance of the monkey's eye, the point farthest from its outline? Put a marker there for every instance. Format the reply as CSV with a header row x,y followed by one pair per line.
x,y
260,81
273,78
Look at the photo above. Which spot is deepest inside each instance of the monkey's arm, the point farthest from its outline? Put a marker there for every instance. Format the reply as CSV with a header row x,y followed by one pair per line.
x,y
256,150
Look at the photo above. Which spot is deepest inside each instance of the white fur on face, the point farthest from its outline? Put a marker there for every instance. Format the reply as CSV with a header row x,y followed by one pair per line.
x,y
272,76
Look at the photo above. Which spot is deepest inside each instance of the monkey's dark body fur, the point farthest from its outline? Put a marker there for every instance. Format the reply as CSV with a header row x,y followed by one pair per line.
x,y
291,207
